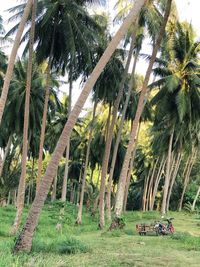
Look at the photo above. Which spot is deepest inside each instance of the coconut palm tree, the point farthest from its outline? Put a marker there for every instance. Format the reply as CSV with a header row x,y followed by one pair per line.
x,y
21,188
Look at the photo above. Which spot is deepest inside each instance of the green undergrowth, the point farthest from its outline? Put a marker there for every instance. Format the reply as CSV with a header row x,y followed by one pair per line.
x,y
188,241
58,242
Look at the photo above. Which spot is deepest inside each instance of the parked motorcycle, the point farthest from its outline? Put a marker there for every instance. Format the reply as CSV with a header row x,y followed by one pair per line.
x,y
164,228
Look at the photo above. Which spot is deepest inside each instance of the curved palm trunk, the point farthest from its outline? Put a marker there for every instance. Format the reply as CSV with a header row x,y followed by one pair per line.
x,y
195,199
65,178
123,175
167,176
187,177
150,187
114,156
24,241
80,208
157,181
44,116
129,177
13,54
177,165
22,181
42,135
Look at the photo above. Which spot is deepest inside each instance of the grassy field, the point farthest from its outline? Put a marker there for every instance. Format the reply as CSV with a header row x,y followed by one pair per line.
x,y
86,246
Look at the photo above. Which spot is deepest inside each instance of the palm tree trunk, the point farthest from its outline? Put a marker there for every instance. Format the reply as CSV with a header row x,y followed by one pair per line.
x,y
13,54
53,196
79,185
15,198
24,240
195,199
22,181
80,208
167,176
29,193
8,200
65,178
150,187
42,135
123,175
157,181
128,180
7,149
114,156
130,170
103,172
44,116
144,198
173,178
187,176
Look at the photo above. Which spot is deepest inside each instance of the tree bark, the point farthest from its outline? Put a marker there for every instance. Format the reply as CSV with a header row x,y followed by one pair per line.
x,y
22,181
104,172
146,183
24,240
12,58
65,178
167,176
80,208
123,175
150,187
195,199
53,196
157,181
45,111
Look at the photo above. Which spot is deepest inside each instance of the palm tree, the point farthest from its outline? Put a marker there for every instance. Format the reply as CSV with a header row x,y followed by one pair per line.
x,y
24,242
124,171
13,54
21,188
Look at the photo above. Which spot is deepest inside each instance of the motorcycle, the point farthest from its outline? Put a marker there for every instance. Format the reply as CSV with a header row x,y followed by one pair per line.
x,y
164,228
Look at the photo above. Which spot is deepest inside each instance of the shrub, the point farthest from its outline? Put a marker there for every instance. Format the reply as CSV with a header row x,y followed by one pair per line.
x,y
72,246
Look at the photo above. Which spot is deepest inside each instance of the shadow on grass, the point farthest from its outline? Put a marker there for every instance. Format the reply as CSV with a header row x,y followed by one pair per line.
x,y
4,234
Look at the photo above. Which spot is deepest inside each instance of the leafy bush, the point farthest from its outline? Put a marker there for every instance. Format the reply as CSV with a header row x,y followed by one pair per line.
x,y
113,233
67,246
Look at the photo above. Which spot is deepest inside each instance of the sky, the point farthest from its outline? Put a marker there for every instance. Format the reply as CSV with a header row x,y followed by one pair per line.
x,y
187,10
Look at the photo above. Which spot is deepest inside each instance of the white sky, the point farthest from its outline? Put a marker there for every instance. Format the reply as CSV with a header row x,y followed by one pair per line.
x,y
187,9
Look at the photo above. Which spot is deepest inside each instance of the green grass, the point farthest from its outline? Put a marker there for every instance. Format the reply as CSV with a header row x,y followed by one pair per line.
x,y
85,245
